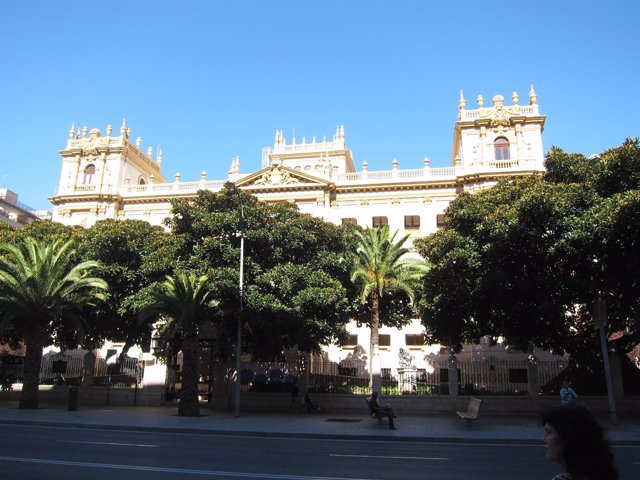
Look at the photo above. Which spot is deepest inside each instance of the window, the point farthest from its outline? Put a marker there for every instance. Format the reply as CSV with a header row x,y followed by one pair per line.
x,y
89,171
414,339
501,146
441,220
142,181
412,221
352,221
349,340
380,222
384,340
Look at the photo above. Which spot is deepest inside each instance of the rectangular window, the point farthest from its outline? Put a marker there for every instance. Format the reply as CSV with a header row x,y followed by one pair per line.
x,y
384,340
412,221
385,373
352,221
518,375
380,222
349,340
414,339
441,220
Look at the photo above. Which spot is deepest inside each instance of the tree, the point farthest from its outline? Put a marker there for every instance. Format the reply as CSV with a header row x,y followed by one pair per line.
x,y
134,255
526,259
382,268
43,292
183,304
296,270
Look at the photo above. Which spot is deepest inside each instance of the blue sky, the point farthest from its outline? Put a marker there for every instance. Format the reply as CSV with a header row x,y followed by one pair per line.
x,y
209,80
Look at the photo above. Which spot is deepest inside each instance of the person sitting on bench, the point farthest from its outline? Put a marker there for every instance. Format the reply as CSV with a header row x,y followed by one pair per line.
x,y
382,411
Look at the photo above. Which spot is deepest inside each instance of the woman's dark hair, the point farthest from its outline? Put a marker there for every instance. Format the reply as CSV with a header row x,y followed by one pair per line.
x,y
587,454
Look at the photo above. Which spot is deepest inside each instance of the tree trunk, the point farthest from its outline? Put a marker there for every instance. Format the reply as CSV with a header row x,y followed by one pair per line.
x,y
189,403
29,397
88,367
375,381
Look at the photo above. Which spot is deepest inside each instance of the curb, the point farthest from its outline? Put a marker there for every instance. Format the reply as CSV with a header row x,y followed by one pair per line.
x,y
320,436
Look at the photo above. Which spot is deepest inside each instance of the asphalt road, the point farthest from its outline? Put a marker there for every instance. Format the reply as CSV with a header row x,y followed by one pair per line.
x,y
34,453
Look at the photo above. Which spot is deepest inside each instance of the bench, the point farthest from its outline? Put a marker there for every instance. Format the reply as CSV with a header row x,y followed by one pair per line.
x,y
373,413
473,409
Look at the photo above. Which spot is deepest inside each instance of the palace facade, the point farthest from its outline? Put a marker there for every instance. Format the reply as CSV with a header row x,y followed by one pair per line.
x,y
109,176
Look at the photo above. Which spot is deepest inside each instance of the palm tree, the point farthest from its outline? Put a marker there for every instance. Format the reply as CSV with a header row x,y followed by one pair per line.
x,y
182,305
42,293
381,268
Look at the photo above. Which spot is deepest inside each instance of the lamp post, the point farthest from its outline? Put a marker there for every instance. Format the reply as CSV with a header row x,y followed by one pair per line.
x,y
601,320
241,305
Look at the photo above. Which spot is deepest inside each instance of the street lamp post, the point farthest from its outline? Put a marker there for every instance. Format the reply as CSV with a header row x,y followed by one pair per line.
x,y
601,320
241,305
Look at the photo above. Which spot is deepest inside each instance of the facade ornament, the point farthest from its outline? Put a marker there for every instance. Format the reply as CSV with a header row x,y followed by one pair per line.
x,y
84,131
159,162
72,131
177,177
109,130
480,101
364,203
123,128
426,162
276,176
427,200
395,202
533,98
515,98
138,142
150,152
365,166
462,103
203,176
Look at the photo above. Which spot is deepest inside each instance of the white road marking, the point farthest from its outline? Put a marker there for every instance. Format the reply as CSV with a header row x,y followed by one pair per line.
x,y
143,468
111,443
388,456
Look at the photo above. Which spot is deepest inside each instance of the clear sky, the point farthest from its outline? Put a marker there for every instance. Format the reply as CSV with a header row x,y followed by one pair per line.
x,y
209,80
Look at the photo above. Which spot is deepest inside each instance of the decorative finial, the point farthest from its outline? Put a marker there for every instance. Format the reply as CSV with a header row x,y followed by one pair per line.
x,y
480,101
515,98
462,103
342,132
109,130
84,131
276,139
497,100
203,176
138,142
159,160
72,132
365,166
313,140
150,152
177,176
128,132
533,98
394,164
426,162
123,128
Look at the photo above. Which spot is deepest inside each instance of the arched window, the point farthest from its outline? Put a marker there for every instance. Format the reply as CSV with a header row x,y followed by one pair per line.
x,y
89,171
142,181
501,146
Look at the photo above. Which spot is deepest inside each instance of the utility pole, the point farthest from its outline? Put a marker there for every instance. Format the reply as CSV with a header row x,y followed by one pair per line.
x,y
600,315
241,305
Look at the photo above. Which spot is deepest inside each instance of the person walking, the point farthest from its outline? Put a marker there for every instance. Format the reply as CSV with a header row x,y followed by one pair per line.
x,y
567,394
574,439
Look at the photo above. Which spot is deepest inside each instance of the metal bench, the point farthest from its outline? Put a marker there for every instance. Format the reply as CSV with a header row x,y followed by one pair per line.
x,y
372,412
472,410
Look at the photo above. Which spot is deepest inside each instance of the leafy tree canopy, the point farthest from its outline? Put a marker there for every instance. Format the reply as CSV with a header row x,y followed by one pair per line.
x,y
296,269
525,259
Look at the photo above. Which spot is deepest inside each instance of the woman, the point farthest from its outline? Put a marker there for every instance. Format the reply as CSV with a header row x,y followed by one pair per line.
x,y
573,438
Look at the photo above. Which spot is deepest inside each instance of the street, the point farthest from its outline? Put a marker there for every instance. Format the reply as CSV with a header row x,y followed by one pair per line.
x,y
36,452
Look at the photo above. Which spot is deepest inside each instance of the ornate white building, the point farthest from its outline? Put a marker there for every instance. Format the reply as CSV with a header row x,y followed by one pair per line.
x,y
106,176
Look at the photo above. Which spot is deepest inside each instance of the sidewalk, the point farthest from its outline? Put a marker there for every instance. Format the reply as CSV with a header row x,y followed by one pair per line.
x,y
440,428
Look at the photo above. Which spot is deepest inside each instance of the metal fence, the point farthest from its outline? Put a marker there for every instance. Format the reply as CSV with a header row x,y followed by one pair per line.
x,y
492,377
69,370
